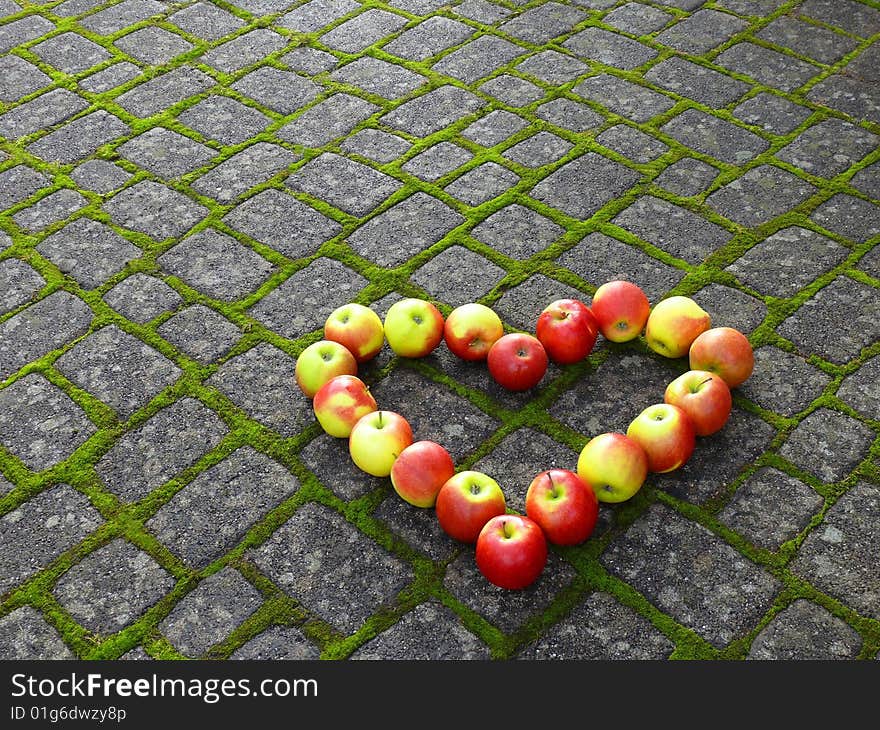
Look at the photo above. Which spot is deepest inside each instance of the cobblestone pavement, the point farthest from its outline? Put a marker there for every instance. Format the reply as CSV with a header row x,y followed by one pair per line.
x,y
189,188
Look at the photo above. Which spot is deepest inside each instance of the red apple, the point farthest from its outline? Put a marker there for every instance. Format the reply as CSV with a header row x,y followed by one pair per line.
x,y
358,328
567,329
667,435
725,351
376,441
517,361
413,327
511,551
704,396
564,505
471,329
621,310
419,472
466,502
340,403
320,362
613,465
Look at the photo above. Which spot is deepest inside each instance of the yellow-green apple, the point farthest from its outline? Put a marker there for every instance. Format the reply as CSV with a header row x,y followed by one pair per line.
x,y
667,435
725,351
419,472
377,439
466,502
613,465
471,330
321,361
358,328
341,402
511,551
517,361
673,324
567,329
621,309
704,396
564,505
413,327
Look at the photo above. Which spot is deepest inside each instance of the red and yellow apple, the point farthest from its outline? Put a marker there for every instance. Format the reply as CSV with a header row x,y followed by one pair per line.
x,y
466,502
340,403
725,351
358,328
564,505
511,551
674,324
320,362
517,361
377,439
419,472
471,330
666,434
613,466
704,396
621,309
413,327
567,329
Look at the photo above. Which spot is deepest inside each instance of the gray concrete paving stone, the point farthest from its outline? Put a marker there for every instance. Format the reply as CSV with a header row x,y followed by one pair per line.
x,y
806,631
141,297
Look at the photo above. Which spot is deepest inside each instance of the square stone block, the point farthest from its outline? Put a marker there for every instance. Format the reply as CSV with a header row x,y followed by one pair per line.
x,y
40,328
760,195
692,575
260,383
840,556
118,369
598,258
458,275
408,227
828,444
600,628
771,507
253,166
211,514
217,265
112,587
209,613
837,322
582,186
517,231
141,298
25,634
783,382
42,528
347,578
430,631
283,223
201,333
806,631
159,449
353,187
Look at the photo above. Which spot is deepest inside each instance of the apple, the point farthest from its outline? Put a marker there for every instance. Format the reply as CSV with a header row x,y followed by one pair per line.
x,y
704,396
567,329
517,361
358,328
673,324
725,351
564,505
341,402
471,330
376,441
320,362
511,551
667,435
621,309
613,465
466,502
420,470
413,327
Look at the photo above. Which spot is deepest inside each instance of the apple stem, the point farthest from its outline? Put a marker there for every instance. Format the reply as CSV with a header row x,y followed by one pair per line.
x,y
505,530
380,419
553,492
707,380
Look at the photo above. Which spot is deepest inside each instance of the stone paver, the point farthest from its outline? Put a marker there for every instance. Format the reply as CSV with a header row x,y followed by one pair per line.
x,y
187,190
